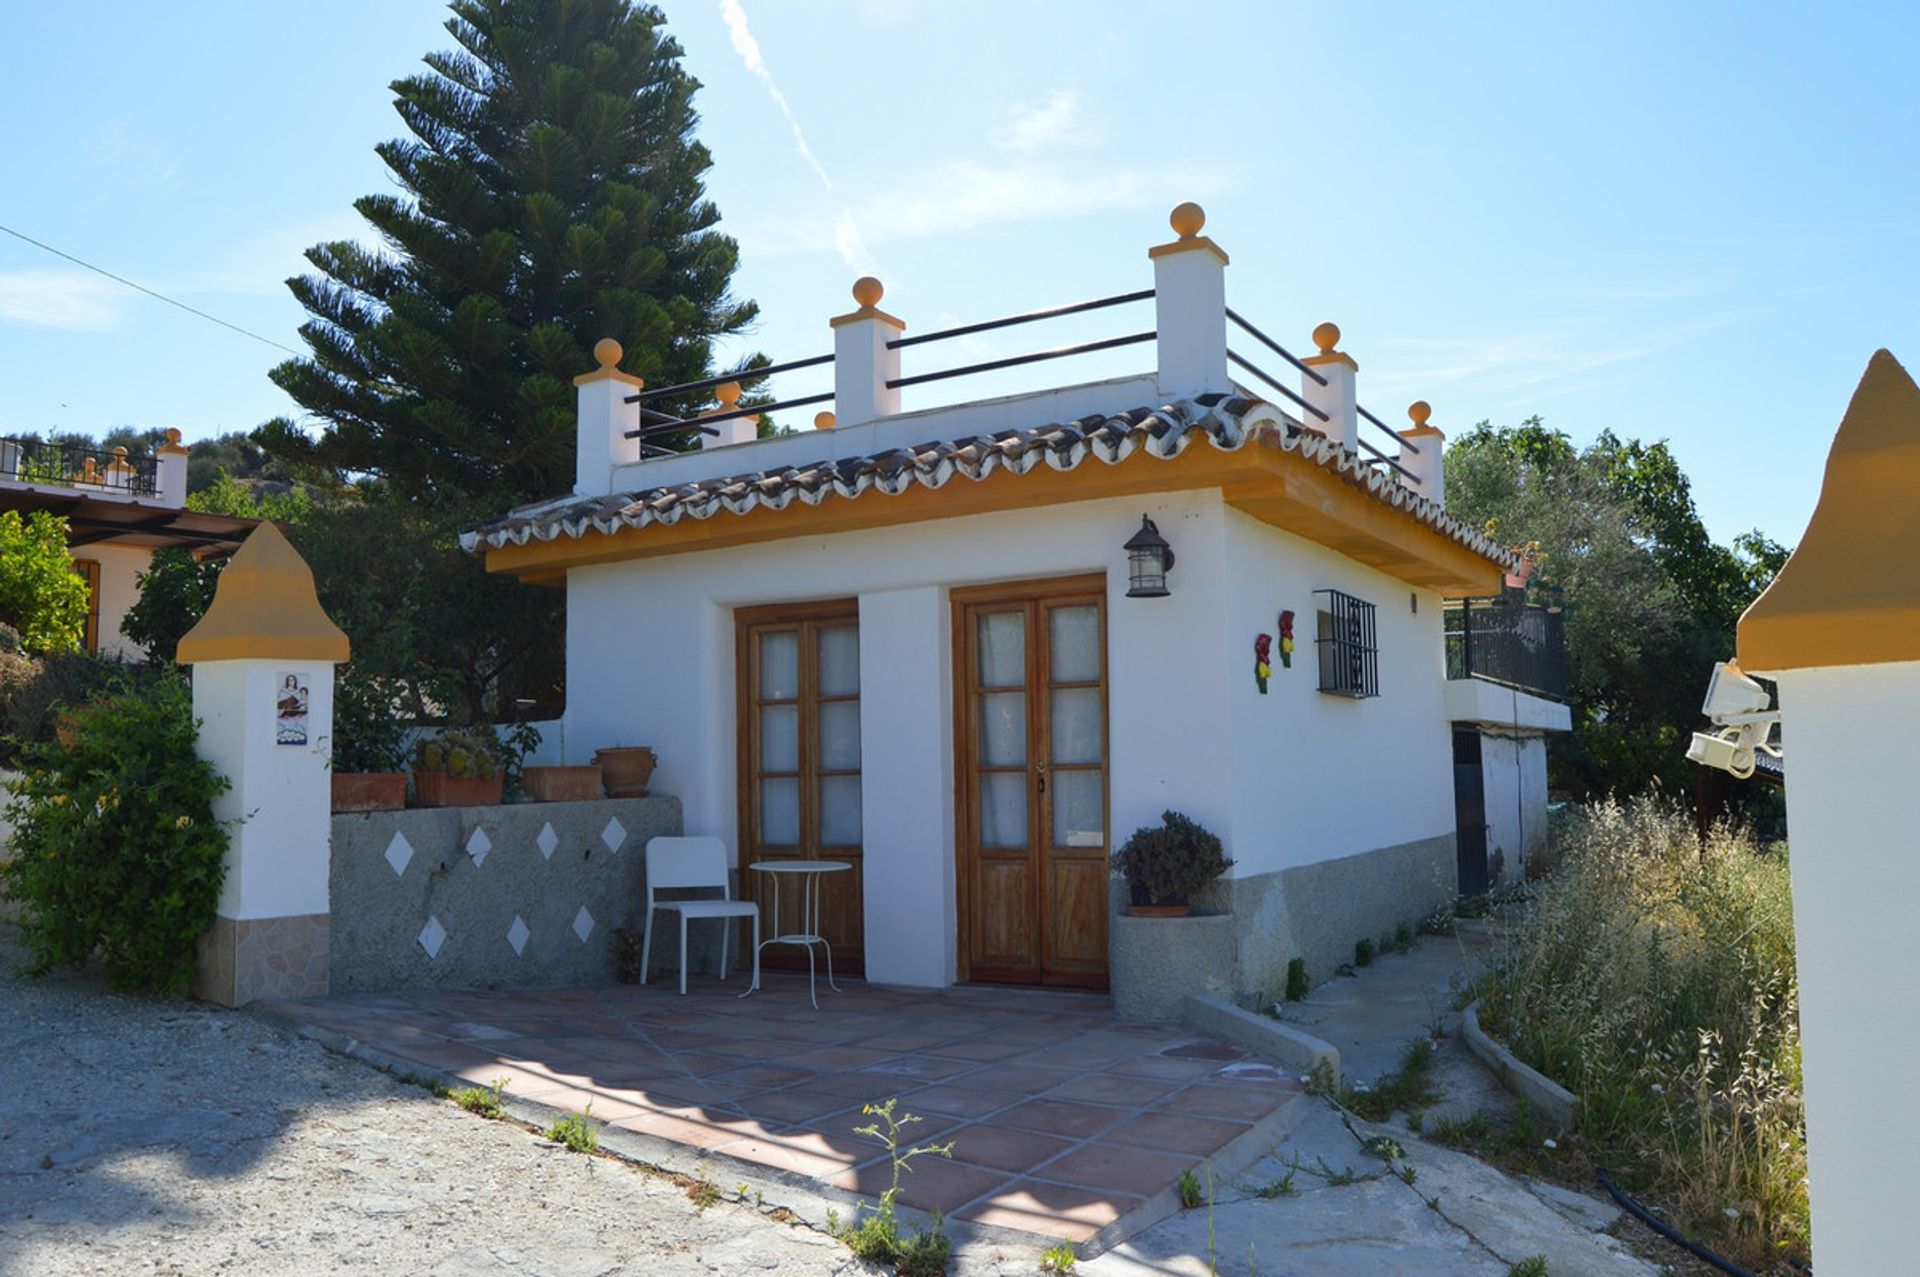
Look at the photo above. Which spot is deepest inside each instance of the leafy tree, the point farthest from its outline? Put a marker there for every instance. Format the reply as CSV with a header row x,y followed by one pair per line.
x,y
236,456
550,195
1652,599
40,594
175,592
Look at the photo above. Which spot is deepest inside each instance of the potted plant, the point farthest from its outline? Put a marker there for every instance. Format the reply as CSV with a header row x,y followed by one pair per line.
x,y
1166,864
368,747
459,767
627,770
556,784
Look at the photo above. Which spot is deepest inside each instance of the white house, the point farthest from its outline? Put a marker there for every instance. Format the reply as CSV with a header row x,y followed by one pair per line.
x,y
915,641
119,509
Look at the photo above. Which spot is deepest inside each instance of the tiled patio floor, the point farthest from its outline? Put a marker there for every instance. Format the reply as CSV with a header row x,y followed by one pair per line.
x,y
1063,1118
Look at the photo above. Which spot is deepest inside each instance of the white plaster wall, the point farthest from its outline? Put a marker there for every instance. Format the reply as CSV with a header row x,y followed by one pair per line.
x,y
1315,776
650,662
279,795
1513,774
1856,876
120,569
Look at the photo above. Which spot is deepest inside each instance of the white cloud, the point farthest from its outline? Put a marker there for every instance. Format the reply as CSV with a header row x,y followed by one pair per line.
x,y
133,165
1526,361
61,299
1051,125
261,264
846,234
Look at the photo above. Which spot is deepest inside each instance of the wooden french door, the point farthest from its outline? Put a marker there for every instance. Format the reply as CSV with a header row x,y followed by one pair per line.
x,y
799,740
1031,780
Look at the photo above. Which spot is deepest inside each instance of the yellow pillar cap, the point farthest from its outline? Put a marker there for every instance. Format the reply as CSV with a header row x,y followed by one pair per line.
x,y
1850,595
265,606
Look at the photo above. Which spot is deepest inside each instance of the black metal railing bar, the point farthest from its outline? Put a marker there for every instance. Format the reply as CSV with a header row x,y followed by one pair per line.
x,y
1274,346
1014,361
703,423
29,460
743,376
1031,316
1292,396
1408,444
1505,641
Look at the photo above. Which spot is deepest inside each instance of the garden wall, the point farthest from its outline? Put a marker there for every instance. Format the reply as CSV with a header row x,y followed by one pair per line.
x,y
525,895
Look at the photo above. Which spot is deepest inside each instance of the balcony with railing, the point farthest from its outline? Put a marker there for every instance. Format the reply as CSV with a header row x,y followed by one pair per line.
x,y
42,464
1510,642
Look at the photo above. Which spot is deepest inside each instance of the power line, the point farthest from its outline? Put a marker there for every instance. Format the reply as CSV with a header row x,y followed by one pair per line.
x,y
142,288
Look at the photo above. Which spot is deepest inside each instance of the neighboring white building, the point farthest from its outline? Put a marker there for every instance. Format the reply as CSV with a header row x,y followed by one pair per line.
x,y
911,641
119,510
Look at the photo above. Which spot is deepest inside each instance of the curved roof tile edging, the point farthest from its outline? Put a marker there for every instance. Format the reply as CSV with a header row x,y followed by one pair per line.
x,y
1227,422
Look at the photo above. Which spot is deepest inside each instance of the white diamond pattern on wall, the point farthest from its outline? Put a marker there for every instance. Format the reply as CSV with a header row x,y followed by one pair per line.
x,y
614,834
583,924
479,845
517,935
399,853
432,936
547,841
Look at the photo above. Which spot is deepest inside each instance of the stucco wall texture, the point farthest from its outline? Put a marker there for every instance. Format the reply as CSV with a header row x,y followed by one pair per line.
x,y
526,895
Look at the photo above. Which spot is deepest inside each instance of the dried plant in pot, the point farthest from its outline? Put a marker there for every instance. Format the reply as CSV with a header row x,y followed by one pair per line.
x,y
367,750
459,767
1166,865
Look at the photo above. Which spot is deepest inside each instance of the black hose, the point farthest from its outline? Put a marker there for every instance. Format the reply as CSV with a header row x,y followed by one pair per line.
x,y
1665,1229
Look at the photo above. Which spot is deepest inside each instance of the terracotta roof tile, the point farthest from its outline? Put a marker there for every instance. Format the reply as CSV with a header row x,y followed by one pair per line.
x,y
1226,422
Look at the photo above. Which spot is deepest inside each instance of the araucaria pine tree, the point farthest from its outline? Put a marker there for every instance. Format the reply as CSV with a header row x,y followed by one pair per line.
x,y
552,195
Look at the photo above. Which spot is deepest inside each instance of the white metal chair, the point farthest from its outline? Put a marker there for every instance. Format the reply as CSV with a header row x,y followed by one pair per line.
x,y
691,864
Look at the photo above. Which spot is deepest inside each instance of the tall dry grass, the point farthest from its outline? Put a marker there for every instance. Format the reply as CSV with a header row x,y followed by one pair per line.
x,y
1655,980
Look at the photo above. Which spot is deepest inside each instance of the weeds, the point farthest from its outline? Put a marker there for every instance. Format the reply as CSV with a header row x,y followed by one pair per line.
x,y
483,1100
1297,986
1408,1089
704,1193
1059,1259
1192,1192
1654,978
1363,953
577,1132
876,1238
1535,1267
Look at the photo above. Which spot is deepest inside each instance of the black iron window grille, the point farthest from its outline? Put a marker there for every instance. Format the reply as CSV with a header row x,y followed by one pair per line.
x,y
1349,651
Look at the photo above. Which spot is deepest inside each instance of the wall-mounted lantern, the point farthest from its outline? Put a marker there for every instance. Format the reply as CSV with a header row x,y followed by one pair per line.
x,y
1149,558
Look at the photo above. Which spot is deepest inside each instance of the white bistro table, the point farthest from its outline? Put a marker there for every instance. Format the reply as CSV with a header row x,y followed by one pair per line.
x,y
809,933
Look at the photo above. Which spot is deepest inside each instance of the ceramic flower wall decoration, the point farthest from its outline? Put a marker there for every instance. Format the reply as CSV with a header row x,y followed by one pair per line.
x,y
1262,656
1286,640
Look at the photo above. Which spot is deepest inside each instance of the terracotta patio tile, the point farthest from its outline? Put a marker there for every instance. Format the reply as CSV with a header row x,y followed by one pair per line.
x,y
948,1100
449,1056
1002,1148
1175,1133
792,1106
1053,1210
751,1049
1205,1049
896,1041
933,1183
1159,1066
1234,1103
784,1156
761,1077
1114,1168
836,1057
694,1132
923,1068
860,1087
982,1049
1113,1088
932,1128
1027,1079
1059,1117
700,1064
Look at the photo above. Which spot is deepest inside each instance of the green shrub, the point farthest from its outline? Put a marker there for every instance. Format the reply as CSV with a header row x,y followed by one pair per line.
x,y
175,592
1363,953
41,597
1166,865
1297,986
1654,978
576,1131
368,733
116,852
33,700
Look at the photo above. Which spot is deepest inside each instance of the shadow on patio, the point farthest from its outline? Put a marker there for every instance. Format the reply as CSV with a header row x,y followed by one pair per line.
x,y
1063,1119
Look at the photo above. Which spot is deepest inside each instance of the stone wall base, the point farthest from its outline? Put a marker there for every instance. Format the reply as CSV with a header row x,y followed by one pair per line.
x,y
1154,963
244,960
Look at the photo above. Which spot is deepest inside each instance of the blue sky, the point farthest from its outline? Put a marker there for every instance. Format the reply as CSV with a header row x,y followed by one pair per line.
x,y
1692,222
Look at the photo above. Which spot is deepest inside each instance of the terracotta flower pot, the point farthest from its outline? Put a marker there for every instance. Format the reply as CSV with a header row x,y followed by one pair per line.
x,y
561,784
626,770
1160,911
438,789
369,791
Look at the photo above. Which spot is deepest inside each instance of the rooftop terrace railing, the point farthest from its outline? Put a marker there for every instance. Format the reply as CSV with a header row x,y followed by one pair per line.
x,y
40,462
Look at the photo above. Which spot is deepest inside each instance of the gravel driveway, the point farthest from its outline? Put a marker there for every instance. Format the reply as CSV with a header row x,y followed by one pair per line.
x,y
178,1138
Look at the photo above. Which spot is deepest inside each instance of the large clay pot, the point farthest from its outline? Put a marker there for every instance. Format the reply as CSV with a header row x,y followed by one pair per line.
x,y
561,784
438,789
369,791
1160,911
626,770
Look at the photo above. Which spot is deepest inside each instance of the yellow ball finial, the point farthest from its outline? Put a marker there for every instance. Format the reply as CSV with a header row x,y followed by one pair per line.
x,y
1187,219
173,436
119,451
728,393
607,352
1418,411
823,421
1327,336
868,291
